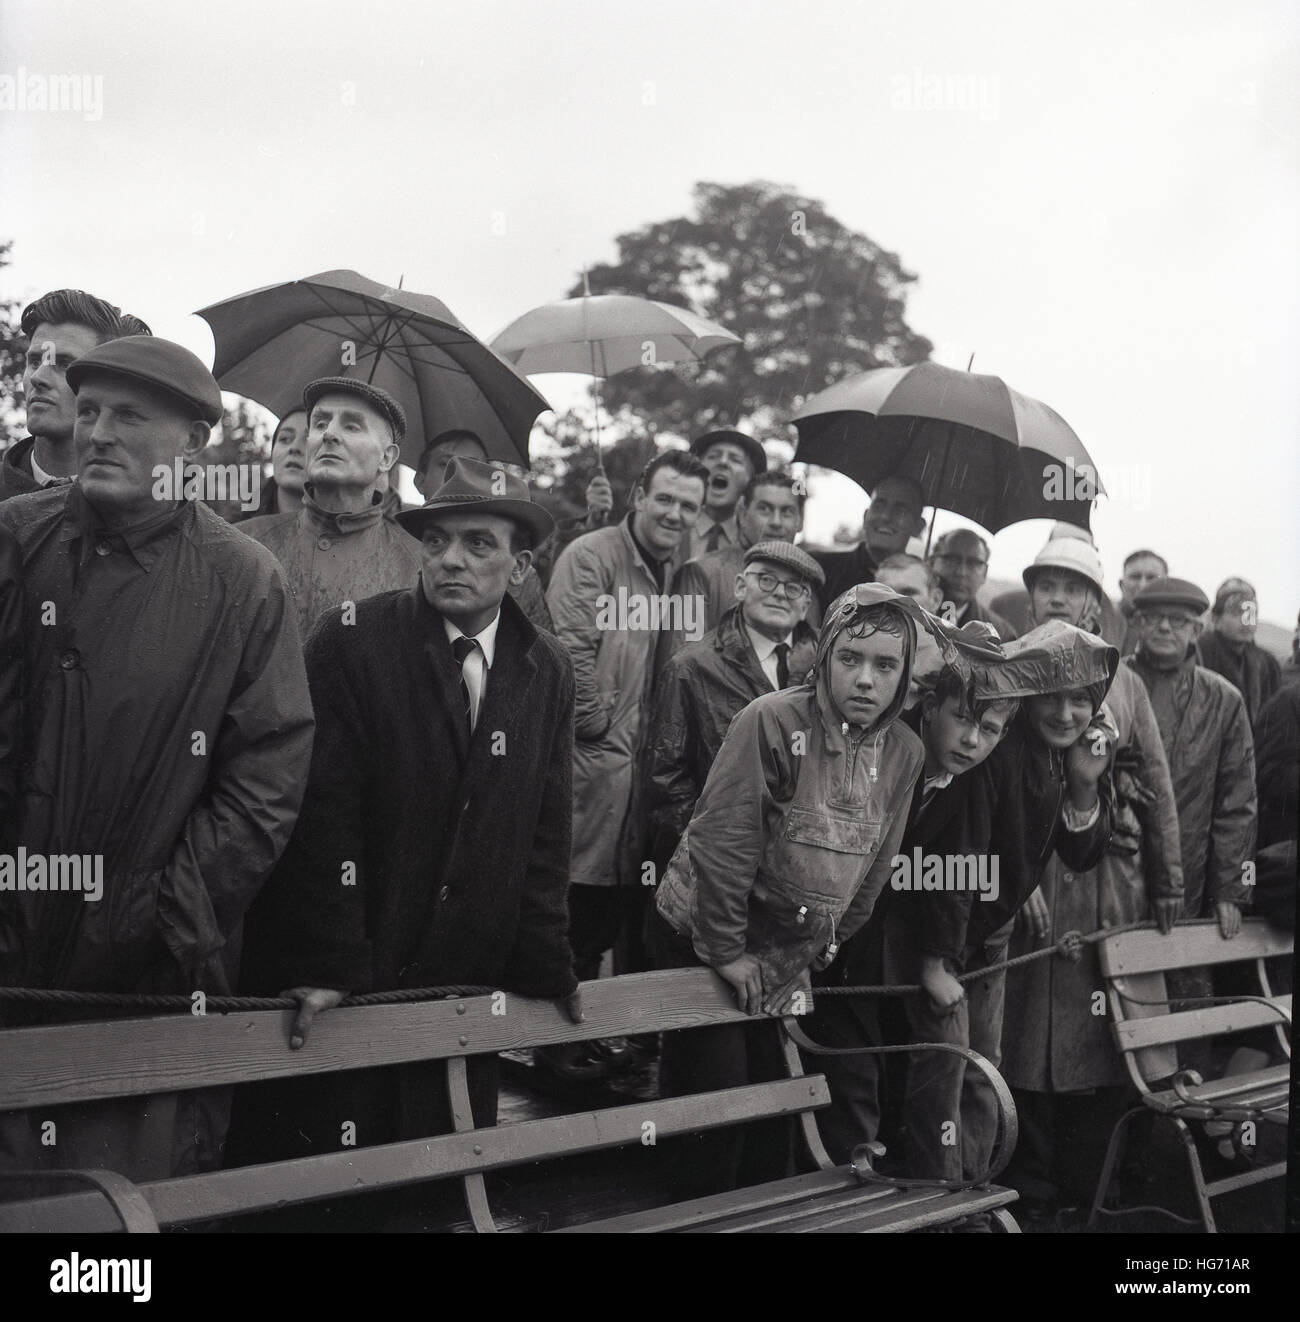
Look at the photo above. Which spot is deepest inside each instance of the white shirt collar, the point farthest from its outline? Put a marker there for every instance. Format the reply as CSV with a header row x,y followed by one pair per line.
x,y
42,477
486,637
763,645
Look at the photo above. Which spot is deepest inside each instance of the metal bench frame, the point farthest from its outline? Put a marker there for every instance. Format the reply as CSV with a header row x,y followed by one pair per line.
x,y
1134,964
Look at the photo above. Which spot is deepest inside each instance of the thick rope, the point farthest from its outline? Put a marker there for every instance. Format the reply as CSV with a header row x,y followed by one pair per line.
x,y
222,1004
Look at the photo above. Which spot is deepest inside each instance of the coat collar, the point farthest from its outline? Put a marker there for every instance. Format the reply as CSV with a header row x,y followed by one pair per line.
x,y
341,525
146,542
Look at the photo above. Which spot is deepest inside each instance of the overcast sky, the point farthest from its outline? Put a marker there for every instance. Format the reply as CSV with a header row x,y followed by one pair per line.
x,y
1100,200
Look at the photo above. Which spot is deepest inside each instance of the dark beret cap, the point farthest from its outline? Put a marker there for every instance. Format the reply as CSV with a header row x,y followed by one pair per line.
x,y
376,398
157,363
754,451
1173,592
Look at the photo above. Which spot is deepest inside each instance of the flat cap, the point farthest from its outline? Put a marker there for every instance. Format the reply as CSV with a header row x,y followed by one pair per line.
x,y
373,395
753,449
159,364
1172,592
789,555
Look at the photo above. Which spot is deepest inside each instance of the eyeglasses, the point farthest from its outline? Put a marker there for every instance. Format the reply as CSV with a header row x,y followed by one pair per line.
x,y
1174,619
962,561
769,583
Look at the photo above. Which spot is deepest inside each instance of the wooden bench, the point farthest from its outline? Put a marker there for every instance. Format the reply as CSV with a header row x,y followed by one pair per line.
x,y
49,1066
1144,1023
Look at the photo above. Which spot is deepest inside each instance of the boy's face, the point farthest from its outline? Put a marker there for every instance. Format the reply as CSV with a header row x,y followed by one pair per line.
x,y
1059,719
956,742
864,675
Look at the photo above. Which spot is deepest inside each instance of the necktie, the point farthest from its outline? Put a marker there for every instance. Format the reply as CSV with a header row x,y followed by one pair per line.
x,y
713,538
462,647
782,664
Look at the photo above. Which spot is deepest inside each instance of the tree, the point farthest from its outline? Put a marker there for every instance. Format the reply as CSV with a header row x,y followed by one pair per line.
x,y
812,300
13,345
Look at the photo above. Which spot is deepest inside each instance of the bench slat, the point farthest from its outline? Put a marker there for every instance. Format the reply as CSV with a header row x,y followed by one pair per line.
x,y
1190,945
47,1066
307,1179
901,1211
1188,1025
698,1212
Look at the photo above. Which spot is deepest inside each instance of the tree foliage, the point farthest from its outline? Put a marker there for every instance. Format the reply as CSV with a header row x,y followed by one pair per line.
x,y
12,347
812,300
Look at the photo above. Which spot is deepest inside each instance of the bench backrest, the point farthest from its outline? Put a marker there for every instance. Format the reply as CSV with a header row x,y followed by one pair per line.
x,y
58,1063
1135,964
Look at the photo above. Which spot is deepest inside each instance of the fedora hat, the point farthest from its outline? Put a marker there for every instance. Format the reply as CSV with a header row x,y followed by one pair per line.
x,y
471,484
754,451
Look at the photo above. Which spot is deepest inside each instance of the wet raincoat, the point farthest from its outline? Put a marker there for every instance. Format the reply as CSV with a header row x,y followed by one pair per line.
x,y
793,836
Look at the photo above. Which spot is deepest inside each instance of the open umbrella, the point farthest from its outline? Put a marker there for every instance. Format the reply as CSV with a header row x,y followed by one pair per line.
x,y
601,334
974,445
272,341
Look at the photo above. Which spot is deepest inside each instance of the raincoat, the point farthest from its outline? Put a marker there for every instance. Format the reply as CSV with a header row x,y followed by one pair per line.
x,y
793,836
1208,745
698,694
328,558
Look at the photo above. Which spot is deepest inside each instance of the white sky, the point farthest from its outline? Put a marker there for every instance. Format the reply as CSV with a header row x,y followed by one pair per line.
x,y
1101,201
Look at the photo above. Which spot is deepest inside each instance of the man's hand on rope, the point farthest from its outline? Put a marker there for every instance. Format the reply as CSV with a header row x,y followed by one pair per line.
x,y
311,1002
945,992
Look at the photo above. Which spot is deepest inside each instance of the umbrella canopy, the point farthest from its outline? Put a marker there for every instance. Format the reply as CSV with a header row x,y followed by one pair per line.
x,y
271,342
601,334
976,446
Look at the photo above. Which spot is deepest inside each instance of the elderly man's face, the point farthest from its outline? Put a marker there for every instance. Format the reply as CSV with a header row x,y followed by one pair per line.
x,y
289,452
1137,574
51,403
773,598
349,442
1059,594
729,474
468,566
1239,619
961,566
893,517
1166,632
124,431
771,514
910,581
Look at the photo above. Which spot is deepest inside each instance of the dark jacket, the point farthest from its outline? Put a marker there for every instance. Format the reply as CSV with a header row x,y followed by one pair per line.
x,y
1008,807
1277,766
16,469
11,674
461,847
700,691
843,569
1252,671
976,610
167,728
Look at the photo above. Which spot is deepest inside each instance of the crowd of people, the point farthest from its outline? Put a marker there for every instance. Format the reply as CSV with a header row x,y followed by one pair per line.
x,y
345,746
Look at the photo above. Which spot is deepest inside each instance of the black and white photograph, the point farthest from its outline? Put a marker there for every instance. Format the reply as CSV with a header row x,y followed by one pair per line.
x,y
633,618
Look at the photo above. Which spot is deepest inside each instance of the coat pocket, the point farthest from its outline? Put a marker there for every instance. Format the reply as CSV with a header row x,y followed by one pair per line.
x,y
825,853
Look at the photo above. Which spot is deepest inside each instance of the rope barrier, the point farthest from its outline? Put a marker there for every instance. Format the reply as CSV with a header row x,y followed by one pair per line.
x,y
223,1004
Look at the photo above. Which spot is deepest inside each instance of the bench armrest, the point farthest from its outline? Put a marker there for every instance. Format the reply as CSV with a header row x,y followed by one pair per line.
x,y
123,1196
1008,1126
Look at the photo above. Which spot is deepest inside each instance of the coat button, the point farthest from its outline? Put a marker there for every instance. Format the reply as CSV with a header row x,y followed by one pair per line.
x,y
71,659
1067,876
444,892
103,548
323,543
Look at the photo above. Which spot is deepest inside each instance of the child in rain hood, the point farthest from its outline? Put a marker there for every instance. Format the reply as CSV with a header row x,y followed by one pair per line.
x,y
788,848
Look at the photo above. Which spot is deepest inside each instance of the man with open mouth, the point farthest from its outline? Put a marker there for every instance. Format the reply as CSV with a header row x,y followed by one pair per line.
x,y
732,459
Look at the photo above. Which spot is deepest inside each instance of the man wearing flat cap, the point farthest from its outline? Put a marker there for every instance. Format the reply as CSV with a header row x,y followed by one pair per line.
x,y
1229,647
1207,742
339,548
168,733
433,845
763,643
733,459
